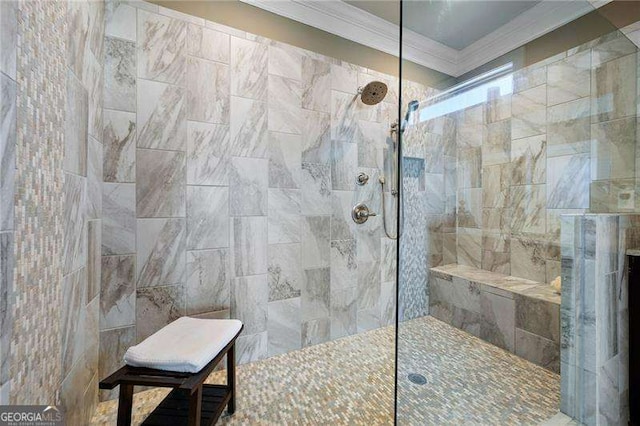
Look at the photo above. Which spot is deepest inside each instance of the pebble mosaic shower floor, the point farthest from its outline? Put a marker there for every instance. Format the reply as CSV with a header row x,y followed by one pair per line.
x,y
350,382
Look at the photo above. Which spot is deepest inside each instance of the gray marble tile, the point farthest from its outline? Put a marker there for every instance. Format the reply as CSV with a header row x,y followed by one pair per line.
x,y
8,37
249,243
344,78
469,247
162,116
315,189
344,264
160,186
469,168
498,320
613,149
249,302
343,312
94,82
285,61
117,291
285,105
75,222
433,153
94,251
160,252
496,186
285,271
537,349
538,317
497,141
387,303
315,241
119,140
207,91
316,331
342,225
94,179
343,165
568,182
470,208
529,77
73,298
497,108
207,44
284,220
76,127
249,69
120,75
207,217
343,116
316,85
113,345
614,93
568,128
8,123
528,158
162,48
251,348
528,258
284,326
569,79
285,157
120,20
157,307
118,218
248,186
608,50
388,263
316,137
528,212
248,129
368,285
208,286
316,294
207,154
77,36
368,137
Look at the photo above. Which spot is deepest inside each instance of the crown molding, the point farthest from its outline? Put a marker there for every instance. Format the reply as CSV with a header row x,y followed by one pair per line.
x,y
544,17
352,23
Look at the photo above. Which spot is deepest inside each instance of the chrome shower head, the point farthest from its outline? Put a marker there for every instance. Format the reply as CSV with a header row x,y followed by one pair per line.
x,y
373,93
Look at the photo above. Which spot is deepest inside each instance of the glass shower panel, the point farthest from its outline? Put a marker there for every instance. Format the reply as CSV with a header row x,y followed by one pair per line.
x,y
531,143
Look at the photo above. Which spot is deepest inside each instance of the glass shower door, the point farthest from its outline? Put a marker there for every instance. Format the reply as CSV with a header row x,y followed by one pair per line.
x,y
518,142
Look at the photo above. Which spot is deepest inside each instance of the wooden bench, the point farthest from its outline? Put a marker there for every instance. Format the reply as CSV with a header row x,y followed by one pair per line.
x,y
191,402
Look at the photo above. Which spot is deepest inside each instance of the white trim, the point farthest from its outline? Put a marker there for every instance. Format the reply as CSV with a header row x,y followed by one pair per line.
x,y
544,17
352,23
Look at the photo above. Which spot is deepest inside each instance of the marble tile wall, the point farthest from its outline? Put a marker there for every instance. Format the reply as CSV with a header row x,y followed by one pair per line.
x,y
564,141
594,316
83,293
50,192
228,179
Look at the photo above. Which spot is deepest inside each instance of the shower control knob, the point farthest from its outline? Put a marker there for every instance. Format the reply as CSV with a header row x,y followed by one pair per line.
x,y
361,213
362,178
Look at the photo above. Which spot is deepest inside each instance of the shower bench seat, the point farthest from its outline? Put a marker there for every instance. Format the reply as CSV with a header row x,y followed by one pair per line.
x,y
516,314
191,402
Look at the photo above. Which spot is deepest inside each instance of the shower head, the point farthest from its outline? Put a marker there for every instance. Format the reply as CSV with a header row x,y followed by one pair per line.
x,y
411,108
373,93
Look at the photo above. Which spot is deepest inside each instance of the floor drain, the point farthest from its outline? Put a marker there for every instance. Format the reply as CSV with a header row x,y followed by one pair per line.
x,y
418,379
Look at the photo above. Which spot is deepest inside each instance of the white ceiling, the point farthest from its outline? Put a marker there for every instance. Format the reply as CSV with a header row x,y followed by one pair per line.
x,y
451,36
456,24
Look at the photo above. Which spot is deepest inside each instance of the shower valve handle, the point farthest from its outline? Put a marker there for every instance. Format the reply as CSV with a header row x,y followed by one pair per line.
x,y
361,213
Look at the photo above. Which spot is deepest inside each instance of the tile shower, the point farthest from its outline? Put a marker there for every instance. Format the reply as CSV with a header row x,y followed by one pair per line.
x,y
228,183
195,169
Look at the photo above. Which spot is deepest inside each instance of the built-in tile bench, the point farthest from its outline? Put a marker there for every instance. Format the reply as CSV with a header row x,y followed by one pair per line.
x,y
516,314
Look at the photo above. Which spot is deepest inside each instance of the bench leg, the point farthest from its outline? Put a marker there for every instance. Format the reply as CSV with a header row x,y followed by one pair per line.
x,y
231,378
195,407
125,404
